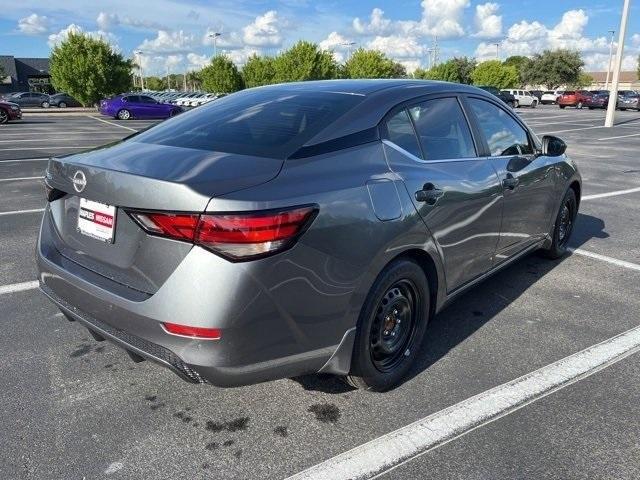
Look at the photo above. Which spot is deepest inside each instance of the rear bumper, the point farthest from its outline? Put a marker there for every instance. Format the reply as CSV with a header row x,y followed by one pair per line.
x,y
272,328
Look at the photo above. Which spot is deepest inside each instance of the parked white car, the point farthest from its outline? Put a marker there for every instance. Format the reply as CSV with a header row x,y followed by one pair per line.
x,y
202,99
185,100
550,97
523,98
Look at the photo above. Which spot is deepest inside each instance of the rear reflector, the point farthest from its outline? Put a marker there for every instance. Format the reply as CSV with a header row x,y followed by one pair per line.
x,y
193,332
236,236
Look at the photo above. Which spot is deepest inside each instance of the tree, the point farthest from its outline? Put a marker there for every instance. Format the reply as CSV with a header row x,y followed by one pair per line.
x,y
2,73
553,68
584,80
221,76
520,62
372,64
89,69
258,71
456,70
154,83
304,61
493,73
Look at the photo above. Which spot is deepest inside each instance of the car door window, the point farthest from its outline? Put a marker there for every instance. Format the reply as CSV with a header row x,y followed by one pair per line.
x,y
504,135
133,99
442,129
400,131
145,99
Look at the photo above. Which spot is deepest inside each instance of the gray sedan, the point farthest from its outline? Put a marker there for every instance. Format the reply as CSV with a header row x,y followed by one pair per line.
x,y
30,99
300,228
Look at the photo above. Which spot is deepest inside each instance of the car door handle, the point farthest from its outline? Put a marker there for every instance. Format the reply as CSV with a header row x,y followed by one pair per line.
x,y
510,182
429,194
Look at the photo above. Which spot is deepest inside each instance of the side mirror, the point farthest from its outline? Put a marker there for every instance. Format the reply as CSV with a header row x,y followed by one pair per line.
x,y
553,146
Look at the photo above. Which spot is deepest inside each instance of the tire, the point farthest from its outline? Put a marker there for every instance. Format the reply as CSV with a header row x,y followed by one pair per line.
x,y
591,108
45,105
384,347
516,104
623,109
4,116
563,226
123,114
579,106
534,104
562,106
62,105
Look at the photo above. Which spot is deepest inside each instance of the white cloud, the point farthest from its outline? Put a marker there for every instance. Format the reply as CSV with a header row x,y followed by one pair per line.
x,y
398,47
377,25
264,31
168,42
439,17
197,61
337,44
488,24
107,21
55,38
527,38
33,24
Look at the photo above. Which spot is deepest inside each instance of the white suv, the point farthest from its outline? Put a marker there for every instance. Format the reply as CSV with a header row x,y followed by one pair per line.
x,y
524,98
550,96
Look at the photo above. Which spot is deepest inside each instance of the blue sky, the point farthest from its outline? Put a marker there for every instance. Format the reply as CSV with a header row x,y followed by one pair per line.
x,y
172,34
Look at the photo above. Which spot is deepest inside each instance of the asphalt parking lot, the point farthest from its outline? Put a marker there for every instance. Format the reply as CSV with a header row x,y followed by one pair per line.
x,y
74,408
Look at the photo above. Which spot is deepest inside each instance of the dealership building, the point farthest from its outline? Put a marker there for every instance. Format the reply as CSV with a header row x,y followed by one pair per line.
x,y
25,75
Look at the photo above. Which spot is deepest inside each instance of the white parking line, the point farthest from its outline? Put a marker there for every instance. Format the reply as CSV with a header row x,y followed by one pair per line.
x,y
400,446
570,130
111,123
611,194
18,287
46,148
18,212
19,178
43,159
90,136
621,136
604,258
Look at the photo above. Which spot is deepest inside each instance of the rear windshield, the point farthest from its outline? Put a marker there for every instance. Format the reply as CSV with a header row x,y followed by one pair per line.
x,y
261,122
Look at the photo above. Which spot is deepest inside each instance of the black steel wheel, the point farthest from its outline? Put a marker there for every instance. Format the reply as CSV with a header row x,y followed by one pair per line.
x,y
391,327
563,226
4,116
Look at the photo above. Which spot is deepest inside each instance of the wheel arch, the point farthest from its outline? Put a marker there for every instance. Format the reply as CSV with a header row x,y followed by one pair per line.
x,y
575,186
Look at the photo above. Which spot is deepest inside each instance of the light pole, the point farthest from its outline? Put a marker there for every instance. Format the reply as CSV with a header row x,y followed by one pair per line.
x,y
613,95
139,55
497,50
606,84
215,36
348,45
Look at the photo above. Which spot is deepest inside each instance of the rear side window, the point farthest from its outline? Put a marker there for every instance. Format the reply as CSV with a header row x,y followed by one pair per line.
x,y
264,122
442,129
400,131
504,135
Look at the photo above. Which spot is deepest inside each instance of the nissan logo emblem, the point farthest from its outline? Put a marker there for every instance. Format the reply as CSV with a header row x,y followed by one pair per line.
x,y
79,181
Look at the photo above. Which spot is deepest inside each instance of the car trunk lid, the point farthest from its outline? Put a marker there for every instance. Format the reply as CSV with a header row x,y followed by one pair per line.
x,y
139,176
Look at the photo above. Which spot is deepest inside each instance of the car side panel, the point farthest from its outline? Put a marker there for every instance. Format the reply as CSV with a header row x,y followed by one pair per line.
x,y
465,221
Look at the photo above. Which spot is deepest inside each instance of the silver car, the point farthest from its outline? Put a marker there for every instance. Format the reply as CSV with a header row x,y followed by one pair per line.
x,y
300,228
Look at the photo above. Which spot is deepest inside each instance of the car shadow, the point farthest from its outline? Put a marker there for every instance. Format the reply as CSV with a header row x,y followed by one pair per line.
x,y
474,308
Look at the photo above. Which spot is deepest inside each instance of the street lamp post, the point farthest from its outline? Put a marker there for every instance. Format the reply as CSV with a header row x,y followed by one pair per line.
x,y
215,36
139,55
613,95
606,84
497,44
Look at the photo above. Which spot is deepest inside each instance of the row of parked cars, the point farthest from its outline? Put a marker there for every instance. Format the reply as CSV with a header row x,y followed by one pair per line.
x,y
627,99
151,104
37,99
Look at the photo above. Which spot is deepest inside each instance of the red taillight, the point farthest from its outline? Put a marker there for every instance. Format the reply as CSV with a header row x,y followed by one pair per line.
x,y
238,236
193,332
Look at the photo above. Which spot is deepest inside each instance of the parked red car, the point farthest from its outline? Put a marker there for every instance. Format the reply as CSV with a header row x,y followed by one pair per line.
x,y
574,98
9,111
